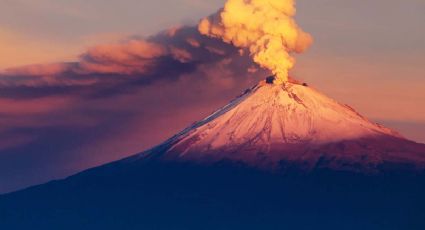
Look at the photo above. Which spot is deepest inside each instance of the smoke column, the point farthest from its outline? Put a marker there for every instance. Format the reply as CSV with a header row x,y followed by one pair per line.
x,y
266,28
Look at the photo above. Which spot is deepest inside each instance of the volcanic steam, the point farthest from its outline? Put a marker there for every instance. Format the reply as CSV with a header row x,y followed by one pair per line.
x,y
266,28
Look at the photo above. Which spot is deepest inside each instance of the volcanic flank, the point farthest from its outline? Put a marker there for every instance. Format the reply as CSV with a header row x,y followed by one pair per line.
x,y
272,125
280,156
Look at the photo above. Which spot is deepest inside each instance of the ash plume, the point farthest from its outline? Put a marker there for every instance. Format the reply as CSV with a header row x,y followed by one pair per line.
x,y
266,28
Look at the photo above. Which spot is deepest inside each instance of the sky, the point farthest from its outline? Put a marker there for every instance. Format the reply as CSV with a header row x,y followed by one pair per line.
x,y
103,97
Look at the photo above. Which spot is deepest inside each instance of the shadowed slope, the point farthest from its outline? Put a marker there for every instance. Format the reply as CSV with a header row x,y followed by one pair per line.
x,y
150,194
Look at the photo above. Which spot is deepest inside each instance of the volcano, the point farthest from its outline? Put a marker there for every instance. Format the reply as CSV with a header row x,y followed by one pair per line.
x,y
272,125
280,156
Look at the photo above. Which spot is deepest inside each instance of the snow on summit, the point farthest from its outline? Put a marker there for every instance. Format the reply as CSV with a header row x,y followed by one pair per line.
x,y
287,113
271,123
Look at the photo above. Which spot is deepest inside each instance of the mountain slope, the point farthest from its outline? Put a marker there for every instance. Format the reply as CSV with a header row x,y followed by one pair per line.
x,y
277,157
153,194
293,123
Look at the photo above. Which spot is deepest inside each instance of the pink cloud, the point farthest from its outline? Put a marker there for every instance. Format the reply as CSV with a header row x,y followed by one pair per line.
x,y
193,42
135,56
39,69
181,54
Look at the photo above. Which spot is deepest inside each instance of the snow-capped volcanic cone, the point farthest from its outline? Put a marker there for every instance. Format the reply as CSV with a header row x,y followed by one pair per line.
x,y
272,124
280,156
